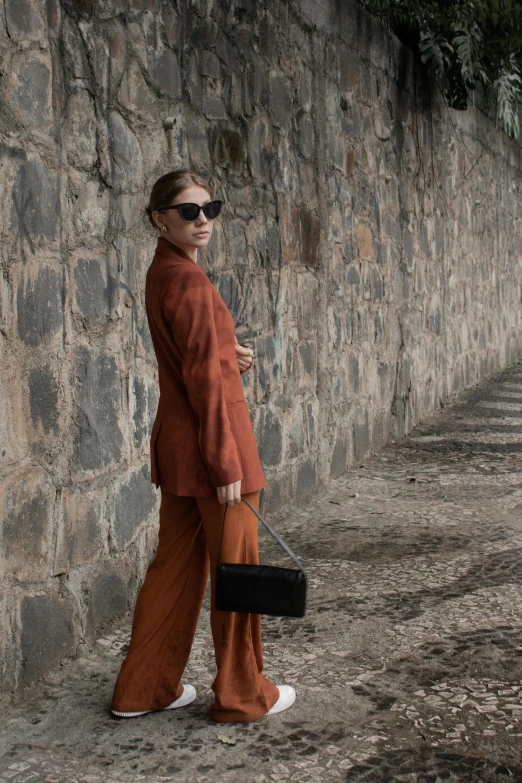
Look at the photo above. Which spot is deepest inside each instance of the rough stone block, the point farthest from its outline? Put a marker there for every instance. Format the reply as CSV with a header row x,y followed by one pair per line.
x,y
35,208
361,437
135,501
48,634
204,33
280,102
275,496
305,135
269,433
308,352
297,433
260,147
318,15
259,83
43,400
209,64
118,41
383,125
339,458
311,422
166,75
376,284
335,328
93,290
98,440
144,409
243,38
291,360
353,281
307,293
109,595
235,234
436,318
106,9
39,306
383,371
25,20
90,214
215,108
378,432
79,133
230,292
266,363
76,57
226,52
266,40
365,241
171,26
146,339
80,539
27,503
268,244
304,89
228,149
408,247
5,426
198,146
29,87
193,81
354,374
336,152
306,482
300,235
126,158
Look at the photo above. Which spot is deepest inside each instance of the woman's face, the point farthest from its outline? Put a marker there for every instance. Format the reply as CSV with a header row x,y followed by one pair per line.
x,y
194,234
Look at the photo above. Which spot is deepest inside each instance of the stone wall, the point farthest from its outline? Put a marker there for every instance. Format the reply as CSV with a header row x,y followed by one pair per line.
x,y
370,249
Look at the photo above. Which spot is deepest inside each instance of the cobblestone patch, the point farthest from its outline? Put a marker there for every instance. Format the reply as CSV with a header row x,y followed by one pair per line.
x,y
432,767
407,665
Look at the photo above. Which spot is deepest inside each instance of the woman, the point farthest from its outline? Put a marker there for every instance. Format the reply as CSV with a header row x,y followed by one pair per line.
x,y
203,456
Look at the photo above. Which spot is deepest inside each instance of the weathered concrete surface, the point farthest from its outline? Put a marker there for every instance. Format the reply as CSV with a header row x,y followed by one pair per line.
x,y
407,665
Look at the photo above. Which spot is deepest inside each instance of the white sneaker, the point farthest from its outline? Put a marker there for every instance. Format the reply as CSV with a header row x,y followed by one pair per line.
x,y
285,700
188,696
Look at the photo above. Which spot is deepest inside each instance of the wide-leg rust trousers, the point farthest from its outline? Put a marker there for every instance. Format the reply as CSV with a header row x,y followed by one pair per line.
x,y
168,607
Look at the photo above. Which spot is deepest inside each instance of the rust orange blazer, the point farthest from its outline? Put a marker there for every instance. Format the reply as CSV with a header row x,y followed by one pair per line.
x,y
202,436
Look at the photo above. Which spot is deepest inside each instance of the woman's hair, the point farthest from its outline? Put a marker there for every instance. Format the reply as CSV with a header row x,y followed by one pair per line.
x,y
167,187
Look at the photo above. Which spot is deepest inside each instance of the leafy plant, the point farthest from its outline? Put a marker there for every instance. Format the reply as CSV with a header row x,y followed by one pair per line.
x,y
465,44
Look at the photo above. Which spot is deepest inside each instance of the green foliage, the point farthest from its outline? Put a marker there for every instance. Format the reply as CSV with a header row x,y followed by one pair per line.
x,y
464,44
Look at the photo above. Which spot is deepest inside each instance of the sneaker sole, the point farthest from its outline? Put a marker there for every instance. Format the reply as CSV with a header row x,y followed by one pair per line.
x,y
187,697
283,706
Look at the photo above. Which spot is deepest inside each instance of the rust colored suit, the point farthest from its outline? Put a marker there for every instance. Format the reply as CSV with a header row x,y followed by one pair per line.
x,y
202,437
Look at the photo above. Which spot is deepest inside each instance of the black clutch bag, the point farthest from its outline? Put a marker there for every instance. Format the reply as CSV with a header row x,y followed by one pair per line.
x,y
261,589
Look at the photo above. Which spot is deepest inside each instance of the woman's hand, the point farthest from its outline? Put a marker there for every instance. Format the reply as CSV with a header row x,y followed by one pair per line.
x,y
245,357
231,493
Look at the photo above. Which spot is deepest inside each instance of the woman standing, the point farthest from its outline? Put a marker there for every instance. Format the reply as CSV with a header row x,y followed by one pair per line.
x,y
203,455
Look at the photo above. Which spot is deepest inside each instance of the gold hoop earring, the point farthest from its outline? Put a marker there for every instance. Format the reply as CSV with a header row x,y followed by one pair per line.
x,y
164,229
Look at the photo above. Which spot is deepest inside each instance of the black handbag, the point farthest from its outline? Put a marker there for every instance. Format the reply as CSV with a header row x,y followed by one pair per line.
x,y
260,589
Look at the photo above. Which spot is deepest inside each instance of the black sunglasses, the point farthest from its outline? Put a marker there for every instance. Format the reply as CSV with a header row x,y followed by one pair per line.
x,y
190,212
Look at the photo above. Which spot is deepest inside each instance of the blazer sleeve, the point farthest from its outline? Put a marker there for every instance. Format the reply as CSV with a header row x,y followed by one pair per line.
x,y
191,317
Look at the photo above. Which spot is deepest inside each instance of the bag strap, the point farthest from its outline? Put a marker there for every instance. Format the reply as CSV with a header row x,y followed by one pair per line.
x,y
270,530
